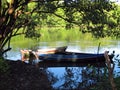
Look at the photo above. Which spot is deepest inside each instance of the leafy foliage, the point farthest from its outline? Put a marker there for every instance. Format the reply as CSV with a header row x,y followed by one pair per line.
x,y
99,17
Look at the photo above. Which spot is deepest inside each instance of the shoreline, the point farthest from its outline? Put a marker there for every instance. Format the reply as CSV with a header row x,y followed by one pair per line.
x,y
23,76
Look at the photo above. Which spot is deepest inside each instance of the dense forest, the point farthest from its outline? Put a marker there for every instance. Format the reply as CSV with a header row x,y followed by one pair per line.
x,y
99,17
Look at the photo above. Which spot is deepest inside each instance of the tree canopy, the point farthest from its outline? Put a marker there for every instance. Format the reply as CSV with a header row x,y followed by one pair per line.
x,y
99,17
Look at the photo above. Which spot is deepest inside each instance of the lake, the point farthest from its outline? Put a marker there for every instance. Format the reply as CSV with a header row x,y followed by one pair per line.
x,y
69,76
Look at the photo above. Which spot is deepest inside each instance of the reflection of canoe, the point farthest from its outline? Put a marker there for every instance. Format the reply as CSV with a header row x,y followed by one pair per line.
x,y
70,64
73,57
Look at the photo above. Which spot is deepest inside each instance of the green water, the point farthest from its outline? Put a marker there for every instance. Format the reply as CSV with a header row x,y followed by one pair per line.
x,y
60,37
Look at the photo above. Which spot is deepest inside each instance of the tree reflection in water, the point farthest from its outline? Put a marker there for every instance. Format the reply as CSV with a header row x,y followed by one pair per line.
x,y
51,77
79,78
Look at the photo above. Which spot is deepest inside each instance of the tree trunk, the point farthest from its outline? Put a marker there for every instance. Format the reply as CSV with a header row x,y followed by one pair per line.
x,y
110,70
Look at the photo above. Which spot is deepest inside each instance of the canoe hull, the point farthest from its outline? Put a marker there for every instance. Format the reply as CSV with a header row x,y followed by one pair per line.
x,y
73,57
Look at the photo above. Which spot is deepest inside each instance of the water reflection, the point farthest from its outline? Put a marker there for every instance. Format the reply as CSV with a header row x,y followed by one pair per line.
x,y
73,75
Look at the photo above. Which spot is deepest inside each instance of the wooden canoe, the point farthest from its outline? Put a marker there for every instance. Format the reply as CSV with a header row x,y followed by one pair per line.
x,y
29,54
52,50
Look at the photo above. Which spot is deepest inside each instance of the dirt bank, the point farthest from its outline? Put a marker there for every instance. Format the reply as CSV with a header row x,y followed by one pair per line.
x,y
23,76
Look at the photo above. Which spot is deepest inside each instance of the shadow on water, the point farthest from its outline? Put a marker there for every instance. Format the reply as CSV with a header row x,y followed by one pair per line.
x,y
73,76
70,64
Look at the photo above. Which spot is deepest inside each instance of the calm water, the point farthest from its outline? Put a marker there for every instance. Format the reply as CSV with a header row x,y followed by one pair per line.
x,y
71,76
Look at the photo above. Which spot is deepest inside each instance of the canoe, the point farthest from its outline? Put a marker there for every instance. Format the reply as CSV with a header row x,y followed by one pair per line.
x,y
52,50
26,55
74,57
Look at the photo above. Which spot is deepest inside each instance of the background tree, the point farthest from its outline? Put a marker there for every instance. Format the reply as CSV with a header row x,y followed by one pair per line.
x,y
16,18
22,16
